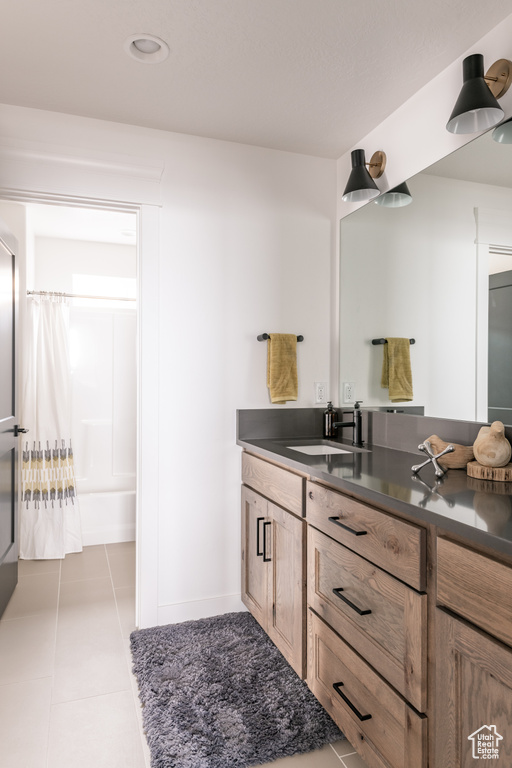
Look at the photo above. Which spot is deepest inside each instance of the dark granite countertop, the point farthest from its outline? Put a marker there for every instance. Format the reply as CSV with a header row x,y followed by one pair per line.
x,y
480,511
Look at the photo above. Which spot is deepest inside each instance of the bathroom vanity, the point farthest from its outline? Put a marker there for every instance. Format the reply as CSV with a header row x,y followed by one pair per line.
x,y
392,596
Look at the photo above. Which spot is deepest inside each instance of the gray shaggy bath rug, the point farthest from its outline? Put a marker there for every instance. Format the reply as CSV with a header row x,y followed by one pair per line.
x,y
217,693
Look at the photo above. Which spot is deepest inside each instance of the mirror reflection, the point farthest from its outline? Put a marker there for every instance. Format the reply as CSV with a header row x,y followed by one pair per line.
x,y
438,271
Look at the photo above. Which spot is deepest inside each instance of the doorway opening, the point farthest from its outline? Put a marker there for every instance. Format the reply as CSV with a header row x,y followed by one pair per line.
x,y
89,256
500,338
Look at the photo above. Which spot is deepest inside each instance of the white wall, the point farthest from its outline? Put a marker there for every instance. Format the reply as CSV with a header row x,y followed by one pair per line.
x,y
57,259
246,243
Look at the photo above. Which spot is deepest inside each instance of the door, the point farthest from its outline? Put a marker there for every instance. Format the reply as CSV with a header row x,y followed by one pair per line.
x,y
473,705
500,347
8,424
255,548
287,587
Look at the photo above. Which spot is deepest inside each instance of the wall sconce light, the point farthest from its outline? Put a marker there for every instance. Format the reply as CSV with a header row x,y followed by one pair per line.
x,y
396,197
361,185
503,133
477,108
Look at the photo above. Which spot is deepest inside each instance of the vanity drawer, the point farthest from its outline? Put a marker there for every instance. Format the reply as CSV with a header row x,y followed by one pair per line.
x,y
379,616
376,720
275,483
476,587
393,544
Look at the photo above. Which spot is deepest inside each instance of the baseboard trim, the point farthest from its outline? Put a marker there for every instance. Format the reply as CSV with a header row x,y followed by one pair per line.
x,y
114,534
199,609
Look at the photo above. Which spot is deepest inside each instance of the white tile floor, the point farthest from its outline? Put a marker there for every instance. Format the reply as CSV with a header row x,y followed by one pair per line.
x,y
67,695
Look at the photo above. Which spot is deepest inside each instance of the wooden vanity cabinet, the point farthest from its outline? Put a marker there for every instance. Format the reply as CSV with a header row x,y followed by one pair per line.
x,y
473,658
371,616
273,567
367,626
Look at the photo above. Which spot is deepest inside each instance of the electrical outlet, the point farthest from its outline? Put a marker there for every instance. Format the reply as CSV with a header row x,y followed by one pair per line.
x,y
320,392
348,392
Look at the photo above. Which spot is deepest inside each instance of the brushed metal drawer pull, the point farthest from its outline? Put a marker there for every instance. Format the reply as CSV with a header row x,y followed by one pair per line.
x,y
337,590
258,521
336,521
340,693
265,558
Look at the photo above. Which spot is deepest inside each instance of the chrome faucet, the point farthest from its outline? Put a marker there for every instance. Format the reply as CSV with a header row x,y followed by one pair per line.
x,y
356,424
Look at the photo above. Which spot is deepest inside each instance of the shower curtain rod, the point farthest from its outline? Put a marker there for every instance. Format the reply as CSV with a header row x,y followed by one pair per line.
x,y
77,296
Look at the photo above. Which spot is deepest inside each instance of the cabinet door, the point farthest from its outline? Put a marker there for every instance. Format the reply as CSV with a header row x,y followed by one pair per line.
x,y
287,587
473,699
255,572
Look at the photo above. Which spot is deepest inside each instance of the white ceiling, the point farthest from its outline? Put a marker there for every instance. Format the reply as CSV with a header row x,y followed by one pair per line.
x,y
310,76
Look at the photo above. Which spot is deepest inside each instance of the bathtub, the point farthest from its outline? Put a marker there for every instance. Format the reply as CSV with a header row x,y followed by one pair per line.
x,y
107,517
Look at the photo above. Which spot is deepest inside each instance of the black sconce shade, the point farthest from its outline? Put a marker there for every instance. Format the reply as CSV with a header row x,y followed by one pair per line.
x,y
476,109
360,186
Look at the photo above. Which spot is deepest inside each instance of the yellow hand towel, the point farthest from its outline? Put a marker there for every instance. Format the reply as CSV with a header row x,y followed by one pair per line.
x,y
282,367
396,369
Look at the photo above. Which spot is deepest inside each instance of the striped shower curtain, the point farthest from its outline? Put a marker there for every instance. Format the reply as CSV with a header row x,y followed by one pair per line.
x,y
49,516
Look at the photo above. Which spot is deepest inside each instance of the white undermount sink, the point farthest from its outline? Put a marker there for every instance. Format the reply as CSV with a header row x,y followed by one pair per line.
x,y
318,449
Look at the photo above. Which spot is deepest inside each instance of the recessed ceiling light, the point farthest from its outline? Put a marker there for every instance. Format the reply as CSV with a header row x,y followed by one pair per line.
x,y
146,48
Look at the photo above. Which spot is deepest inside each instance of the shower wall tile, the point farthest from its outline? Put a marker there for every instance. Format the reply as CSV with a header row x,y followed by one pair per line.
x,y
104,412
124,395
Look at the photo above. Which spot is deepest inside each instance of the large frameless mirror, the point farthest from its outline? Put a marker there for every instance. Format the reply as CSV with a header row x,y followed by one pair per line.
x,y
438,270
